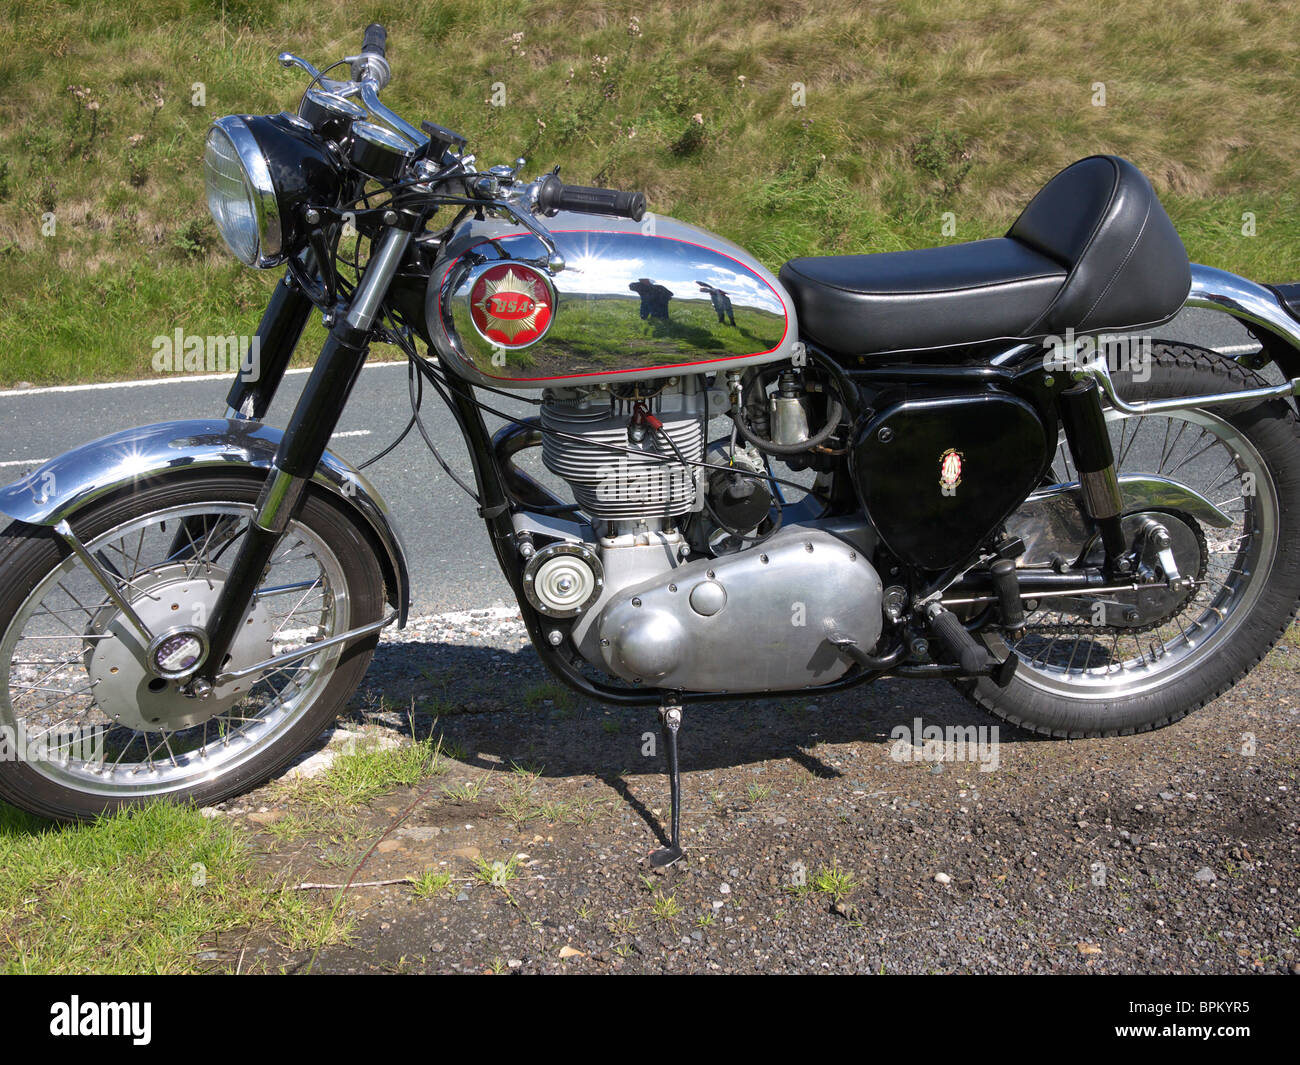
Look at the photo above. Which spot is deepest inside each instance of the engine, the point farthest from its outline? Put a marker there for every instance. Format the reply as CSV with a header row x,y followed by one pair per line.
x,y
674,579
636,484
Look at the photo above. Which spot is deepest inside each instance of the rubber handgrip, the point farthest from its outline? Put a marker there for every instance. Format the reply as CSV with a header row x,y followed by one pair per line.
x,y
375,41
557,196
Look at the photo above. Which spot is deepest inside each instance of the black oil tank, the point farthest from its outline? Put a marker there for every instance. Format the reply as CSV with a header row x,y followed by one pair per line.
x,y
938,473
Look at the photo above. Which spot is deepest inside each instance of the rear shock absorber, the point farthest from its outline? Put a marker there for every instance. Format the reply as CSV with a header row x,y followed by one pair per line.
x,y
1085,431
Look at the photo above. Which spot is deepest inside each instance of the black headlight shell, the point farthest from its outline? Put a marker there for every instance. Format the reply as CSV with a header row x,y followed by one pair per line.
x,y
285,168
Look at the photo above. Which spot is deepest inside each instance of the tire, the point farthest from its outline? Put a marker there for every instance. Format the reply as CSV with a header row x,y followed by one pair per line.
x,y
1048,701
236,759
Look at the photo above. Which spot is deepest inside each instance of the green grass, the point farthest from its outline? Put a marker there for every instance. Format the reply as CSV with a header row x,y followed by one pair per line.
x,y
913,111
467,792
141,892
665,908
371,770
536,695
1287,654
497,874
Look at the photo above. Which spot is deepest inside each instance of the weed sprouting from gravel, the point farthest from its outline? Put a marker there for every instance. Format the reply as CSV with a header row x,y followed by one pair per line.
x,y
833,881
432,884
497,874
466,792
665,908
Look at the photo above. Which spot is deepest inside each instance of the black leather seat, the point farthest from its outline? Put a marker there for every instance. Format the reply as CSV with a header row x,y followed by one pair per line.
x,y
1093,251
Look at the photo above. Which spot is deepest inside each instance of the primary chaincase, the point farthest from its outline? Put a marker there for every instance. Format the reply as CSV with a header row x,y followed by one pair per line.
x,y
763,619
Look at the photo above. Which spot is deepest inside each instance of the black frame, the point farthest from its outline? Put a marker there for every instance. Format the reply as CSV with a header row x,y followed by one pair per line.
x,y
329,386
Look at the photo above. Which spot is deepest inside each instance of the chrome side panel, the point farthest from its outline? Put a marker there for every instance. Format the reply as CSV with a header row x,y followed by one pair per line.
x,y
1219,290
634,300
69,482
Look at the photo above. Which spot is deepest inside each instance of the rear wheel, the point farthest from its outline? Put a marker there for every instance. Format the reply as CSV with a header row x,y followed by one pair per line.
x,y
1080,679
90,729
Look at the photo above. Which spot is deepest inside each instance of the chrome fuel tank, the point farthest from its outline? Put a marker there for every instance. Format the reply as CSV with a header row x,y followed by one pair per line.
x,y
635,300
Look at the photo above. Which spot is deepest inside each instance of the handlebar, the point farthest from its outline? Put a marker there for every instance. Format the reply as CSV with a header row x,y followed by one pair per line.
x,y
371,72
554,195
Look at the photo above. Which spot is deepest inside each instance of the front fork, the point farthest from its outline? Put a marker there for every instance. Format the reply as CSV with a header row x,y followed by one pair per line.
x,y
278,334
313,422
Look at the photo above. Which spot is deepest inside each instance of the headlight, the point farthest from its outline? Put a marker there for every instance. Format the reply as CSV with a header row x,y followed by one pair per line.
x,y
261,172
241,195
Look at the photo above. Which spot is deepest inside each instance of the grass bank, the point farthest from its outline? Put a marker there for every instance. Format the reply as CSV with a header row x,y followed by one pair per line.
x,y
791,128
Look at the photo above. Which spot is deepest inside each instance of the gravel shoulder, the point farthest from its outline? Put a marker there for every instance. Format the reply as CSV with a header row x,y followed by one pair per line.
x,y
818,836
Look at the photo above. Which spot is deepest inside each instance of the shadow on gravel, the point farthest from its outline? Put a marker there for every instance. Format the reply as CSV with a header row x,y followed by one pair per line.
x,y
503,709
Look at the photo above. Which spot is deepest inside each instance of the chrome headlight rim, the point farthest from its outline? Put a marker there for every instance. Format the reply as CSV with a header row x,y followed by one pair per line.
x,y
261,189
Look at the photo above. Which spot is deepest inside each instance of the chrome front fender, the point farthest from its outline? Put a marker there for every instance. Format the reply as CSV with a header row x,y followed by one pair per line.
x,y
139,457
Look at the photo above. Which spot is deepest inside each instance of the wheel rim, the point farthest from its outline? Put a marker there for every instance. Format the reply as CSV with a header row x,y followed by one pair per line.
x,y
51,702
1207,453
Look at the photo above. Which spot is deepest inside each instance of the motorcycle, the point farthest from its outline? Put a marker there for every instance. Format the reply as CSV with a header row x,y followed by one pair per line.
x,y
969,462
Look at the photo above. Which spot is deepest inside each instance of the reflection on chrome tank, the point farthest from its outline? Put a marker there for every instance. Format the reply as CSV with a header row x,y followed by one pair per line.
x,y
625,302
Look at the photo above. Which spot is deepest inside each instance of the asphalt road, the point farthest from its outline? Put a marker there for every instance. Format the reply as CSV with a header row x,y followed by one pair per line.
x,y
452,567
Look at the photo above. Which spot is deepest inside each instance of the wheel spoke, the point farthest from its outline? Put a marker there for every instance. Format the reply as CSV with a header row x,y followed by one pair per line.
x,y
1182,446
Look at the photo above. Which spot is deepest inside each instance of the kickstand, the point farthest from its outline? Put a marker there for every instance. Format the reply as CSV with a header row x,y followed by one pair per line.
x,y
670,721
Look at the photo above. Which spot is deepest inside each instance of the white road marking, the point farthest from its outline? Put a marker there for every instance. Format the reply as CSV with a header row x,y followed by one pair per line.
x,y
496,612
149,382
1232,349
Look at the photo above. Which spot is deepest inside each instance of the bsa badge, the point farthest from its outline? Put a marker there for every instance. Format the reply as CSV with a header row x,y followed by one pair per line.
x,y
512,305
950,466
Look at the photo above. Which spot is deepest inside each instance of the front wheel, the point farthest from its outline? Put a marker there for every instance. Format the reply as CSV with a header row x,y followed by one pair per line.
x,y
88,729
1078,679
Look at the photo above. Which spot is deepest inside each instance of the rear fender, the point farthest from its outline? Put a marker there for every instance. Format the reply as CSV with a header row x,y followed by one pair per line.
x,y
1265,311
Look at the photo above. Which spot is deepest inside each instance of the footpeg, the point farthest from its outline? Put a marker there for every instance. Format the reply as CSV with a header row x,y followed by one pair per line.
x,y
973,657
1006,586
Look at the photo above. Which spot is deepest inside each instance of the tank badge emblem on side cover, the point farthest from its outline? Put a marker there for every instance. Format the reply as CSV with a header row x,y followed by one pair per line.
x,y
512,305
